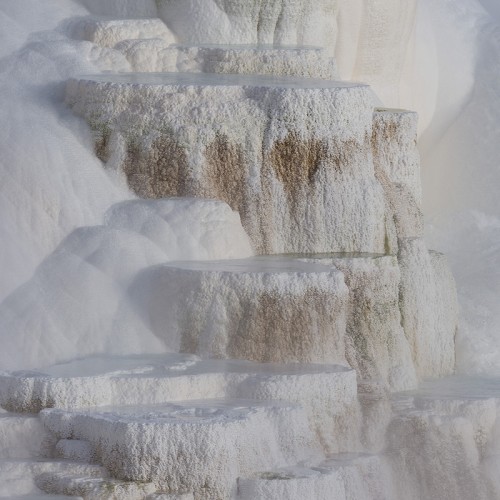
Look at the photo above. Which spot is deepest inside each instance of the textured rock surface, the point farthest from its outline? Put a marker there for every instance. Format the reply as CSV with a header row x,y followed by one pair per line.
x,y
93,488
349,476
429,308
260,309
293,156
376,345
453,421
397,167
109,32
88,275
153,379
281,22
22,436
19,477
328,393
159,55
201,447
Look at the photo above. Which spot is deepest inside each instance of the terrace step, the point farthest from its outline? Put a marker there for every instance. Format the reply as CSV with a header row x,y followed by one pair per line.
x,y
109,32
200,447
23,437
348,475
18,477
93,488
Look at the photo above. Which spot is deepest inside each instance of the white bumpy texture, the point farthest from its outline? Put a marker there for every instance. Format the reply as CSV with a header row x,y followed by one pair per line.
x,y
247,123
292,156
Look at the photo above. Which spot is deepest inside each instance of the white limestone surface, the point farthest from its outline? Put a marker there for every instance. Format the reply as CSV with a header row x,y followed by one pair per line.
x,y
259,309
159,55
166,496
326,392
22,437
109,32
200,447
69,307
329,398
283,22
74,449
292,155
429,309
376,345
93,488
397,167
343,477
451,423
18,477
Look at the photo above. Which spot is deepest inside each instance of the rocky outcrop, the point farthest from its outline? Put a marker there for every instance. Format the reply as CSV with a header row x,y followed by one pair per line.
x,y
376,345
258,309
293,156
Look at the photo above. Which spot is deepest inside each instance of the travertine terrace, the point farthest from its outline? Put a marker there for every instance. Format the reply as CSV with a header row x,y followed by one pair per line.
x,y
274,261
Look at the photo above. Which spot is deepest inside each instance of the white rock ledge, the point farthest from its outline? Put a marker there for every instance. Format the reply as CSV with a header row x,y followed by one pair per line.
x,y
200,447
154,379
257,309
376,345
158,55
109,32
292,155
343,477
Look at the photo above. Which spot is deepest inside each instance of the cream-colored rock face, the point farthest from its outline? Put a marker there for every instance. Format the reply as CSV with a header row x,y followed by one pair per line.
x,y
327,393
429,308
452,430
349,476
253,309
109,32
158,55
376,345
292,156
241,22
397,168
374,43
227,439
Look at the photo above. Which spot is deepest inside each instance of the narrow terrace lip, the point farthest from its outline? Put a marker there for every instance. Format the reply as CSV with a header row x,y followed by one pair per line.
x,y
252,265
217,80
249,46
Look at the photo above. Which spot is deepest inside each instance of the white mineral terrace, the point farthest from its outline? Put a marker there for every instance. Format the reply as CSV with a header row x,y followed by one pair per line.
x,y
219,80
221,287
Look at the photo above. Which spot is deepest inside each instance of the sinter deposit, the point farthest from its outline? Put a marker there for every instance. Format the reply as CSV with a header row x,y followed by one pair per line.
x,y
255,313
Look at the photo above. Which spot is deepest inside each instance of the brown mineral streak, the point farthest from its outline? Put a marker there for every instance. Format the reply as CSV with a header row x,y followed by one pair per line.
x,y
101,146
384,131
295,161
277,325
159,172
225,173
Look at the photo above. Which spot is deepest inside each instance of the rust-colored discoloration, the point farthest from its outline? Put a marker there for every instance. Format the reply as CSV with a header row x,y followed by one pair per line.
x,y
101,145
225,174
344,154
159,171
295,161
384,131
282,328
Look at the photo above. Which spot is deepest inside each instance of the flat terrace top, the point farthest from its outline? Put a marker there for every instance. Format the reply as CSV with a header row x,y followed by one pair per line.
x,y
245,47
217,80
167,365
194,411
458,387
252,265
